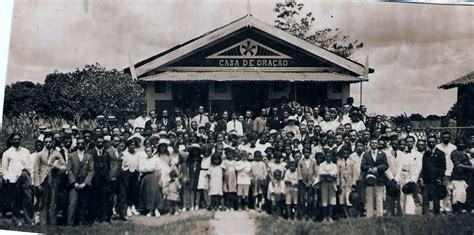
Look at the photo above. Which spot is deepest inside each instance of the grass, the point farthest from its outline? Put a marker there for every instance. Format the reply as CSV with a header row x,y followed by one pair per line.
x,y
186,223
428,224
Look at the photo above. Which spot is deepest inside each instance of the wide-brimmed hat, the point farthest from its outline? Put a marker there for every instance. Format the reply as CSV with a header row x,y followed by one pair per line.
x,y
392,188
163,142
233,132
163,133
273,131
409,188
370,179
193,146
292,118
354,197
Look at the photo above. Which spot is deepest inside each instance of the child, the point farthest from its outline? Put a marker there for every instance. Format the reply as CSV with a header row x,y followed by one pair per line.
x,y
344,179
230,179
328,173
243,168
259,176
291,192
276,164
203,182
216,176
276,191
172,193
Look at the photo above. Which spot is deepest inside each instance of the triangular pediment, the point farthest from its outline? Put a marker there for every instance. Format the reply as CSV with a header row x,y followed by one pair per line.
x,y
248,49
248,44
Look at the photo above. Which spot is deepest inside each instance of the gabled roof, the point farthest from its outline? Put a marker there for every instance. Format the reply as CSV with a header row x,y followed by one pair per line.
x,y
462,81
186,48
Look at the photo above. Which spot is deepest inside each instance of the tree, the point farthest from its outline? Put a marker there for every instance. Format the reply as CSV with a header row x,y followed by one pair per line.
x,y
92,91
291,20
23,97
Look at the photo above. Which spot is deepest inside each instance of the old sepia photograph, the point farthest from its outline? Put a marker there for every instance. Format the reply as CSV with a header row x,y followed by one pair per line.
x,y
238,117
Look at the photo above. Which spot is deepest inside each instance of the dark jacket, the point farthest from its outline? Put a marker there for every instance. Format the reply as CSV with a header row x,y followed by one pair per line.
x,y
170,124
273,123
433,166
101,168
380,163
220,126
458,158
115,164
80,171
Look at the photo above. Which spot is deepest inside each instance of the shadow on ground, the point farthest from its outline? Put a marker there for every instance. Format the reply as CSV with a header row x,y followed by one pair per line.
x,y
429,224
196,222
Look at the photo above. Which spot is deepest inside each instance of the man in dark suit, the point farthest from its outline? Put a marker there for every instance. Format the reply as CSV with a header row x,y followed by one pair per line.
x,y
153,119
222,123
100,182
374,164
432,173
247,124
274,121
80,167
165,121
115,180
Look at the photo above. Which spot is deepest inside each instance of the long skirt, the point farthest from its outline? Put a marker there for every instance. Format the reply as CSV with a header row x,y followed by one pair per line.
x,y
150,192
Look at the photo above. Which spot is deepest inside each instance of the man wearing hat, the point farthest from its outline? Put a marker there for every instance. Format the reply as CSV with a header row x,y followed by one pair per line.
x,y
292,127
432,173
373,167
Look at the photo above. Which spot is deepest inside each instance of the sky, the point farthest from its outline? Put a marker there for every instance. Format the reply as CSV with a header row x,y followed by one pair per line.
x,y
413,48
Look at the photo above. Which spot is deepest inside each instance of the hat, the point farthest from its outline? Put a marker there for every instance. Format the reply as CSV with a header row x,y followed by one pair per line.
x,y
370,179
194,146
137,136
42,128
74,128
68,131
170,133
273,131
291,118
354,197
409,188
154,136
233,132
163,141
163,133
392,188
66,126
100,117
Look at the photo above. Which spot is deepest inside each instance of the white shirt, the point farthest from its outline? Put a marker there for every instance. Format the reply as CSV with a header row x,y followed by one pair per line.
x,y
140,121
358,126
200,120
411,163
148,164
14,161
80,154
130,161
243,172
235,125
329,126
447,149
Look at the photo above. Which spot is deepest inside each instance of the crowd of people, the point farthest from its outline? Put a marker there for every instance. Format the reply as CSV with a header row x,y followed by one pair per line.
x,y
290,160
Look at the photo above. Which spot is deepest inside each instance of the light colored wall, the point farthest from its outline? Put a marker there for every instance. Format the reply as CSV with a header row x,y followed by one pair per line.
x,y
346,91
151,96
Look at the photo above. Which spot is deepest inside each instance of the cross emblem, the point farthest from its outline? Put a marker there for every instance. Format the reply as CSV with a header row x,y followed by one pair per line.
x,y
248,48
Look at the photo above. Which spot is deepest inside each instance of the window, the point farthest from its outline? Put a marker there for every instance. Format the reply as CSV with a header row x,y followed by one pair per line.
x,y
160,87
337,88
280,87
220,88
